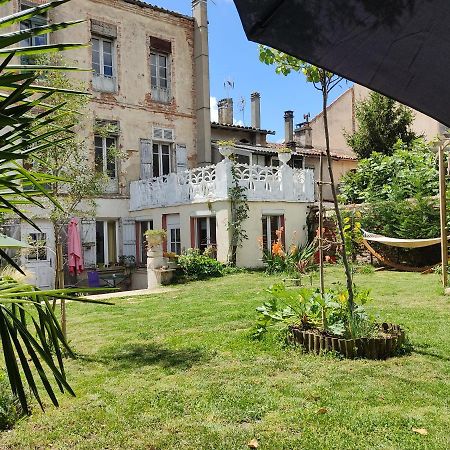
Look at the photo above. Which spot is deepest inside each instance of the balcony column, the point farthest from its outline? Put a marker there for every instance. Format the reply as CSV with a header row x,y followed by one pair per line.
x,y
287,182
224,178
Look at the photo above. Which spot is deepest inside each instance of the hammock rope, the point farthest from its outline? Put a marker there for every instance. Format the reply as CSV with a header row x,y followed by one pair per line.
x,y
395,242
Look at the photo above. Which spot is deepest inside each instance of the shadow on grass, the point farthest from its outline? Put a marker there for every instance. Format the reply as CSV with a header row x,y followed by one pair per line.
x,y
430,353
150,354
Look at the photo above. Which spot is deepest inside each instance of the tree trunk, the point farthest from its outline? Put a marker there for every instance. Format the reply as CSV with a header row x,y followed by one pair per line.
x,y
59,278
335,200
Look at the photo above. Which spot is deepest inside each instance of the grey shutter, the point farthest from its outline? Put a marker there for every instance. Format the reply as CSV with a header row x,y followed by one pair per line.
x,y
88,241
128,236
146,159
181,157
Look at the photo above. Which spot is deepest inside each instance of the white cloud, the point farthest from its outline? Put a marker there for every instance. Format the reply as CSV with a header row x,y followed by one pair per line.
x,y
214,109
239,123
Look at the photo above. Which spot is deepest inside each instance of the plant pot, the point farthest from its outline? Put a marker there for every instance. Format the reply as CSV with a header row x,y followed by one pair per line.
x,y
226,152
382,347
284,157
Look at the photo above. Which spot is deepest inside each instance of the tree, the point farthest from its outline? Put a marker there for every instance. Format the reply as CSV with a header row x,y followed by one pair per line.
x,y
31,337
381,123
409,172
324,82
71,164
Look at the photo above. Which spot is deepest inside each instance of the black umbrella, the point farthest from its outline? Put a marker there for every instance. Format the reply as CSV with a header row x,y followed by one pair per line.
x,y
400,48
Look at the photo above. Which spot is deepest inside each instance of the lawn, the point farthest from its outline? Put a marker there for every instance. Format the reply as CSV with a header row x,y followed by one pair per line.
x,y
178,371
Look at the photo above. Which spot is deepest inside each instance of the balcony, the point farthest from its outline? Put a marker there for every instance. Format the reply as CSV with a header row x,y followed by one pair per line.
x,y
212,183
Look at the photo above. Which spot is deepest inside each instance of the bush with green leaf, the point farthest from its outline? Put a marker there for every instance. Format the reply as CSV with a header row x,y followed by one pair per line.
x,y
307,308
410,171
10,409
199,267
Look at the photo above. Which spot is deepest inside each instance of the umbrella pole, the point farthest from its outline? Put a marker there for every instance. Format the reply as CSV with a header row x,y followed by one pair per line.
x,y
443,215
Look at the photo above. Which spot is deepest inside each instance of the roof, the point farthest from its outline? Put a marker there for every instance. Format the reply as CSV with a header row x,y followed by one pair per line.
x,y
157,8
342,154
240,127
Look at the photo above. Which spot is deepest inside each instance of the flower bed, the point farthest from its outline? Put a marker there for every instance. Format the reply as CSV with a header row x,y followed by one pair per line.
x,y
390,339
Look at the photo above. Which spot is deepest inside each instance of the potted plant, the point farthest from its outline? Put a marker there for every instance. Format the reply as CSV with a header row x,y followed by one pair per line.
x,y
154,240
284,154
226,148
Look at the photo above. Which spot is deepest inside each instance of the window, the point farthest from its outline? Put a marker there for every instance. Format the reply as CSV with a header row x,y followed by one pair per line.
x,y
270,225
34,41
38,242
242,159
104,161
160,61
173,233
103,64
161,159
259,160
205,232
106,241
142,227
296,162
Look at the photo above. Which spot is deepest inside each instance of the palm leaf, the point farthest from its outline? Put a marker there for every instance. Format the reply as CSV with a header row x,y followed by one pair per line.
x,y
31,337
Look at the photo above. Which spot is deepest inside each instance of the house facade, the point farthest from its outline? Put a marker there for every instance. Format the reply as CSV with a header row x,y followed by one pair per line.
x,y
149,79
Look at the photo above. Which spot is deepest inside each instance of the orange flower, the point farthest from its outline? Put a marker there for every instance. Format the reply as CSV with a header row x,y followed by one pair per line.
x,y
277,249
279,233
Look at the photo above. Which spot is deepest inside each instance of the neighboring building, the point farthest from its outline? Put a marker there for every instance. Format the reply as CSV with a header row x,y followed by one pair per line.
x,y
150,79
341,120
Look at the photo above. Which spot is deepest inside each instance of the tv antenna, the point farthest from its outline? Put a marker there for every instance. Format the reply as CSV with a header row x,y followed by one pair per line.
x,y
242,108
228,85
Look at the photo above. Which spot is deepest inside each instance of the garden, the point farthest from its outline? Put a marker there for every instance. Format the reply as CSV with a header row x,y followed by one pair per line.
x,y
182,370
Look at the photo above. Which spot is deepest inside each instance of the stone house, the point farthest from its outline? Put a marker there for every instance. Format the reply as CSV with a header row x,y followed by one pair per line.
x,y
150,78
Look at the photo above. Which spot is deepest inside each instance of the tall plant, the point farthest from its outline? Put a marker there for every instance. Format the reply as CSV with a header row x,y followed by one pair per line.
x,y
31,338
381,123
324,82
239,214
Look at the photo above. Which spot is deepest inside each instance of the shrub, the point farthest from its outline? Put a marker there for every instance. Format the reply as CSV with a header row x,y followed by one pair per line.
x,y
10,410
308,308
199,267
408,172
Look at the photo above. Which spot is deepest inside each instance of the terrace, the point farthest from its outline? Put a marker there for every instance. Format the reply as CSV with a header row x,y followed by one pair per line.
x,y
212,183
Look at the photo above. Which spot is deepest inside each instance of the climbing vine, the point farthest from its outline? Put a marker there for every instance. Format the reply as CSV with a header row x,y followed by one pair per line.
x,y
239,214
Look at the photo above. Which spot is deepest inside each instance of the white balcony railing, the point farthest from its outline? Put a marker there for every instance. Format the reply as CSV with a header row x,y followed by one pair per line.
x,y
213,182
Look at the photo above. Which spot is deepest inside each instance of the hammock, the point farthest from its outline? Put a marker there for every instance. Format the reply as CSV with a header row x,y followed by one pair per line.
x,y
394,242
405,243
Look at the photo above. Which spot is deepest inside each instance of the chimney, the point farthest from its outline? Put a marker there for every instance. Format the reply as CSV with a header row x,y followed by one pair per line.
x,y
202,90
303,135
256,109
225,107
288,127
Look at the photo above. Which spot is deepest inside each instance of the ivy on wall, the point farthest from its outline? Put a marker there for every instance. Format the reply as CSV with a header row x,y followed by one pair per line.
x,y
239,214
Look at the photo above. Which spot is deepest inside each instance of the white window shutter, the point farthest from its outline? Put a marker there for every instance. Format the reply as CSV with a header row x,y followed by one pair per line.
x,y
181,157
128,236
88,241
146,159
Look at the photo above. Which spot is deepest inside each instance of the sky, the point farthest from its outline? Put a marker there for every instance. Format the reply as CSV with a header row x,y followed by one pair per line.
x,y
234,58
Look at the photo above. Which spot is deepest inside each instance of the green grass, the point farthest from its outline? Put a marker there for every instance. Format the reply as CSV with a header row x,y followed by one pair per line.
x,y
178,371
